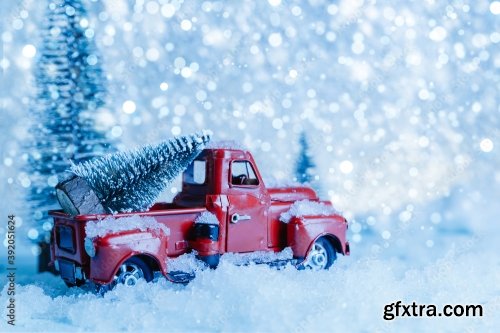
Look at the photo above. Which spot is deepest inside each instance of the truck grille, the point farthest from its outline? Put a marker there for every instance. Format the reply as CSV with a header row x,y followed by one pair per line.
x,y
65,238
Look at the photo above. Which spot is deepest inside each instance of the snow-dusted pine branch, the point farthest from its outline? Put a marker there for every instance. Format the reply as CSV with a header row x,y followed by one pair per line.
x,y
131,181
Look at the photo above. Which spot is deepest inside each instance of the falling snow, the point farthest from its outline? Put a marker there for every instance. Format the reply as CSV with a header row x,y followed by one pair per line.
x,y
399,101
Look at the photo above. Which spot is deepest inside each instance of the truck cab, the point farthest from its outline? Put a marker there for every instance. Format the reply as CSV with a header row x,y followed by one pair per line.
x,y
243,201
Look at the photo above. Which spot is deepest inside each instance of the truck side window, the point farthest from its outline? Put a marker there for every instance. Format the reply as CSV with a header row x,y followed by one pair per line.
x,y
242,173
195,173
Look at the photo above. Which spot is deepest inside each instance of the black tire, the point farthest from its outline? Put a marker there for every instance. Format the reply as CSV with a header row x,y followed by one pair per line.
x,y
322,255
78,283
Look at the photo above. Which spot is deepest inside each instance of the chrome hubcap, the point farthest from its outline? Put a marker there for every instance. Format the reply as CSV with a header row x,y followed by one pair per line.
x,y
129,274
317,259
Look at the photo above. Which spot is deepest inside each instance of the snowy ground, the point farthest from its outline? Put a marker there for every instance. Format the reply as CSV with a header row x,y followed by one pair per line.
x,y
350,297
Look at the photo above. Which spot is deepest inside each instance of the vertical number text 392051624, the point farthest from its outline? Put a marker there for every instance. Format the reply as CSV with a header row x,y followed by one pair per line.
x,y
11,269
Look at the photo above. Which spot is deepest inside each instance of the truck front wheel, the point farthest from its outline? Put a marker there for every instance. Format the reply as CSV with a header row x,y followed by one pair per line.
x,y
321,256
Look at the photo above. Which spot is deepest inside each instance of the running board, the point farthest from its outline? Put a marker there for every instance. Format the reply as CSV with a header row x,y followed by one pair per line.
x,y
278,264
185,278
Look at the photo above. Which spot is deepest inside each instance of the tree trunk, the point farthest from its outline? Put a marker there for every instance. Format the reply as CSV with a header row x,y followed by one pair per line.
x,y
77,198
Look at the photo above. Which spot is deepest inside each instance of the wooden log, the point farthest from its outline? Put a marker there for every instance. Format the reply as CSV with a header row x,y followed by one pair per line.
x,y
77,198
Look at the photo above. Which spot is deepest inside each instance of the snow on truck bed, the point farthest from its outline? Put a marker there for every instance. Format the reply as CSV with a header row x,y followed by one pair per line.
x,y
111,225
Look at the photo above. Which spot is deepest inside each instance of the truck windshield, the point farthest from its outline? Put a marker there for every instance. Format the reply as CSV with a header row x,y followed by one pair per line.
x,y
196,173
242,173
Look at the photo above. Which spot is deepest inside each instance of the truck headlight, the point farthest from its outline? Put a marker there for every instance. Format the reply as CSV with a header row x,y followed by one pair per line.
x,y
89,247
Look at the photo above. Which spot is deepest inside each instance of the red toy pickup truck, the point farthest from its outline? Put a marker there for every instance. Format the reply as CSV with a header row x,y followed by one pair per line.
x,y
223,207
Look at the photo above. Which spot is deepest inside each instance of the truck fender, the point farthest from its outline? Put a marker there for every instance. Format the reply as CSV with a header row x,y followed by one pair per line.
x,y
105,275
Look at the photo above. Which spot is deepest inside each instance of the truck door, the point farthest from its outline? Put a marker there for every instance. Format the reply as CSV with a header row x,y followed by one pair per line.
x,y
248,207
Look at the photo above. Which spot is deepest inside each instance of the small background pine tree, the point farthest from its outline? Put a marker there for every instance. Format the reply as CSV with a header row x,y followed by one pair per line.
x,y
304,167
69,91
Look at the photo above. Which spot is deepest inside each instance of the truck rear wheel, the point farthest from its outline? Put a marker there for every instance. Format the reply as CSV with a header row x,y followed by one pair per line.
x,y
131,271
321,256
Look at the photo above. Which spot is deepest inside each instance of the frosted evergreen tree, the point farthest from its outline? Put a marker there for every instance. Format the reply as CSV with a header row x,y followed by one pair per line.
x,y
132,181
69,93
304,166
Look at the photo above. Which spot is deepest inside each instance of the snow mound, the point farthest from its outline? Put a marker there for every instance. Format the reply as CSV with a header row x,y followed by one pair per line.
x,y
188,262
306,207
207,218
257,257
185,263
111,225
349,297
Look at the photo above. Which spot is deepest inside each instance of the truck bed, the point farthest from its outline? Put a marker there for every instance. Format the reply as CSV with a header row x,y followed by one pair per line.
x,y
159,209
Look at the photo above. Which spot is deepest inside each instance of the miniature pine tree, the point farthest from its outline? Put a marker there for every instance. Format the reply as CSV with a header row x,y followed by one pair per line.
x,y
69,92
132,181
304,166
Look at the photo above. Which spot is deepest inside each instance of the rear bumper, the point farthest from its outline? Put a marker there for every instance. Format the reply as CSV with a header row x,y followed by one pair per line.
x,y
70,271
